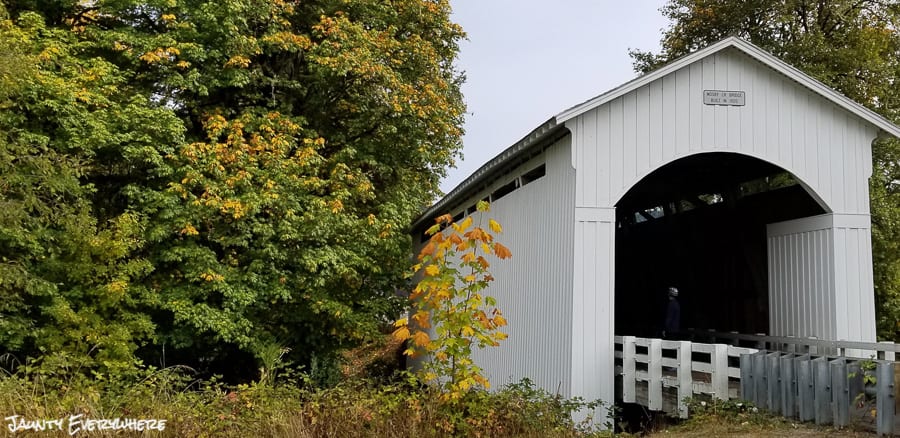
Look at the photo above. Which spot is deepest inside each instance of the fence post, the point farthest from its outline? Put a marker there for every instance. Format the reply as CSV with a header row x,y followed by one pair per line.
x,y
788,386
840,393
747,378
759,380
888,355
761,345
685,379
884,398
822,381
628,369
720,371
774,382
654,371
805,388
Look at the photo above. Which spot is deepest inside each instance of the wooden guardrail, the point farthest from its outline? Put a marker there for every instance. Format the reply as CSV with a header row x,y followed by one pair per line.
x,y
650,366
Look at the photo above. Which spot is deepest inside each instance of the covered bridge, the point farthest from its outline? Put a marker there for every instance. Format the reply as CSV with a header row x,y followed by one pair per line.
x,y
726,173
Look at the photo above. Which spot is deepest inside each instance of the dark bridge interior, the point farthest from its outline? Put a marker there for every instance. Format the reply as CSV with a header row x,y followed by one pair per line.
x,y
699,224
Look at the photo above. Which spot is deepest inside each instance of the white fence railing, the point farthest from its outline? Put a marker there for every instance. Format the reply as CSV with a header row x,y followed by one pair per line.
x,y
790,344
673,364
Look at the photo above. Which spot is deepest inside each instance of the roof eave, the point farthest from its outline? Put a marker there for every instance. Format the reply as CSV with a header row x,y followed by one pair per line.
x,y
754,52
473,182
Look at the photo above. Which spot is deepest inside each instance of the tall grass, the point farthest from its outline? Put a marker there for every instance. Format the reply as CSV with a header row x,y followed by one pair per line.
x,y
289,407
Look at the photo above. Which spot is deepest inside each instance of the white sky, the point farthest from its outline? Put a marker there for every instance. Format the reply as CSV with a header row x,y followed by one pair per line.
x,y
527,60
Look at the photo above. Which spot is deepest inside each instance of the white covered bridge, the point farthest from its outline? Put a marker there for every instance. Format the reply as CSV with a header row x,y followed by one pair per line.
x,y
726,173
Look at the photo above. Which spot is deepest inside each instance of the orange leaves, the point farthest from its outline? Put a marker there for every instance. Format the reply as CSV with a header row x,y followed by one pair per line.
x,y
422,319
448,298
401,333
420,339
501,251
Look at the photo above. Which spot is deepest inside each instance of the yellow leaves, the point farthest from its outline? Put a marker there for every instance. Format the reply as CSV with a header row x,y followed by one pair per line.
x,y
160,54
449,298
465,224
117,287
189,230
401,333
233,207
402,330
336,206
495,227
168,18
212,277
288,41
238,61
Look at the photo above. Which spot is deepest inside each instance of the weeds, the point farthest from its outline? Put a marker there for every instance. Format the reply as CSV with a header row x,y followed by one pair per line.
x,y
289,406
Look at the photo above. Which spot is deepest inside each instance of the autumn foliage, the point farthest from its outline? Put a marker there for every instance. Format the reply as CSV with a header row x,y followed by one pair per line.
x,y
451,314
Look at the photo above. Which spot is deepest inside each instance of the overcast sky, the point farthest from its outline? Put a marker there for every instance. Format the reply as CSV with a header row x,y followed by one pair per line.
x,y
527,60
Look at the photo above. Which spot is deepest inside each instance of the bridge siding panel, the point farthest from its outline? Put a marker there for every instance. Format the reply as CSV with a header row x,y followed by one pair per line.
x,y
536,284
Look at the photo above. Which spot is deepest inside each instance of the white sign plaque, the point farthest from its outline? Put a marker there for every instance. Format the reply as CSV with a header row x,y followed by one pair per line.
x,y
720,97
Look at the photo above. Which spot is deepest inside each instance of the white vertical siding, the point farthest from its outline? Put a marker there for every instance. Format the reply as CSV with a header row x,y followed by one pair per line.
x,y
824,146
820,277
534,288
593,302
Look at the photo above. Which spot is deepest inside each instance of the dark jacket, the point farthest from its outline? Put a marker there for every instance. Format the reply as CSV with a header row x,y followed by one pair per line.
x,y
673,317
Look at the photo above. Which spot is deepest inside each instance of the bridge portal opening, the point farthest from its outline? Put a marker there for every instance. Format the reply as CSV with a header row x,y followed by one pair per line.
x,y
699,224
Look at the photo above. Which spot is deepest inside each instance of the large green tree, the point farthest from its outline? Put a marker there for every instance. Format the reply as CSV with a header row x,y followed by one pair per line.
x,y
70,126
273,213
850,45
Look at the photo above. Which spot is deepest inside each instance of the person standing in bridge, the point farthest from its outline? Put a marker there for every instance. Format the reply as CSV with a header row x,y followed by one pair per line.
x,y
672,323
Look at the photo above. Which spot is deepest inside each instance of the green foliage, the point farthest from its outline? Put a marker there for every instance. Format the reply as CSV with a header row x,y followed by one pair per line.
x,y
70,267
449,296
216,177
850,45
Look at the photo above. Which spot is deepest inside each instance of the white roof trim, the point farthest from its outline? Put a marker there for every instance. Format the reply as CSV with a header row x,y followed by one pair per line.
x,y
754,52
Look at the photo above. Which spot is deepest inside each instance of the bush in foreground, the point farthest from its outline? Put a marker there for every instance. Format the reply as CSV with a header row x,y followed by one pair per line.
x,y
291,408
